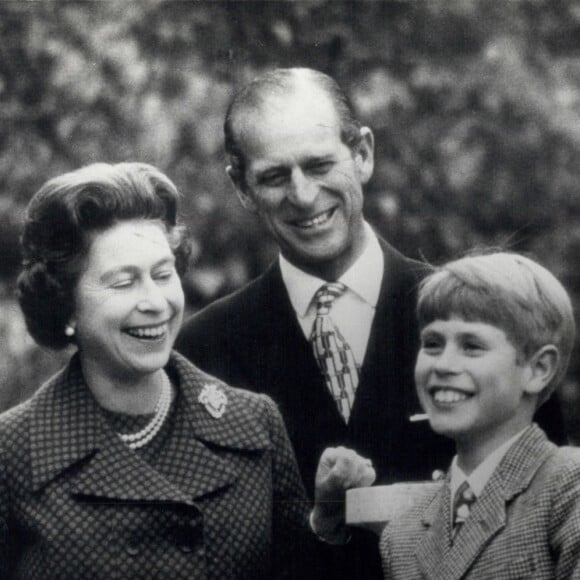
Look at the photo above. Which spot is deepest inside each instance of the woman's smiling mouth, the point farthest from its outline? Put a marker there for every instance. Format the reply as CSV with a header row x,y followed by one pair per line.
x,y
148,332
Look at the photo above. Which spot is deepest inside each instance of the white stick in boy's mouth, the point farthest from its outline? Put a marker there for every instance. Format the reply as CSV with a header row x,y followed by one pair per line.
x,y
418,417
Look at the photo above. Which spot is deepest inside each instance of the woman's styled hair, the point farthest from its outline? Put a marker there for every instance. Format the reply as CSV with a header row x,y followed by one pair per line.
x,y
61,219
508,291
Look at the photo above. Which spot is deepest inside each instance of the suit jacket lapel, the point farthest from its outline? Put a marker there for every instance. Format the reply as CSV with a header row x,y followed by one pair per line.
x,y
284,346
437,557
487,518
281,337
385,395
434,547
390,338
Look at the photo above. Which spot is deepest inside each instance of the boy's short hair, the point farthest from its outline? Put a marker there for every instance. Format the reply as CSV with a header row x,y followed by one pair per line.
x,y
509,291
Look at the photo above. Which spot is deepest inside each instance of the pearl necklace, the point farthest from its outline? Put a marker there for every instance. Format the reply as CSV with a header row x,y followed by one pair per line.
x,y
142,437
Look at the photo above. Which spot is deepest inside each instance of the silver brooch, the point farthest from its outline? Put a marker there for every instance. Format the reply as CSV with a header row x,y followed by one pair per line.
x,y
213,399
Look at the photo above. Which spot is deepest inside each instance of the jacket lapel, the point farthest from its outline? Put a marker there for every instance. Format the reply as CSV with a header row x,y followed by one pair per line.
x,y
433,548
117,473
66,427
282,345
235,430
69,431
135,480
487,518
441,559
392,343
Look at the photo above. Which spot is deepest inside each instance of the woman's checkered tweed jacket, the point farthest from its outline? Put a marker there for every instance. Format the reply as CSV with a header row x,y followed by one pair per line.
x,y
225,501
525,524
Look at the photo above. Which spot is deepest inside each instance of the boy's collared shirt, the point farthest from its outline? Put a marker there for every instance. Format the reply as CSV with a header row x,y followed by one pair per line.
x,y
483,472
354,311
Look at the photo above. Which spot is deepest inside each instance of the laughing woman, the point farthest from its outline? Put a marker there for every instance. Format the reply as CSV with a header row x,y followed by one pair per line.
x,y
130,462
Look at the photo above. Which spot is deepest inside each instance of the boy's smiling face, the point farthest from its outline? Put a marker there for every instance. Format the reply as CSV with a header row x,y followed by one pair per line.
x,y
473,384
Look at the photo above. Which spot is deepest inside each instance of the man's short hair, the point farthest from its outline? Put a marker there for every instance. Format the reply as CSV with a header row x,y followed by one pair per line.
x,y
277,83
506,290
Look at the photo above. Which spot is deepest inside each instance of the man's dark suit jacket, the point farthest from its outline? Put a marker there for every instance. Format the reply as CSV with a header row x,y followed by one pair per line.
x,y
252,339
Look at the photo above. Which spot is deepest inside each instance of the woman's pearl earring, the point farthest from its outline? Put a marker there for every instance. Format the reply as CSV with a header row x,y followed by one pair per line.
x,y
69,330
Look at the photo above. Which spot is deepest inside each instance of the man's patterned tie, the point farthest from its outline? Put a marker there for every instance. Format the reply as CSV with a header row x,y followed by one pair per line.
x,y
333,354
462,502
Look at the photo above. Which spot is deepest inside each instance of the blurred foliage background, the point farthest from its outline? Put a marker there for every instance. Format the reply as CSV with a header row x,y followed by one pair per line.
x,y
475,106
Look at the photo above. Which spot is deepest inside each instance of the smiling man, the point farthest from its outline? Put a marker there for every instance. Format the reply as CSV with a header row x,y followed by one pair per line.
x,y
302,179
339,362
299,160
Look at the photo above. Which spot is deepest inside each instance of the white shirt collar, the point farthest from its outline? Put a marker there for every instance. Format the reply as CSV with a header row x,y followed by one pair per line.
x,y
483,472
364,277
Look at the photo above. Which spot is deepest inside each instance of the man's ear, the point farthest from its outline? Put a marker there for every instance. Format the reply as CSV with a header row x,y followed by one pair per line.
x,y
364,155
543,366
241,189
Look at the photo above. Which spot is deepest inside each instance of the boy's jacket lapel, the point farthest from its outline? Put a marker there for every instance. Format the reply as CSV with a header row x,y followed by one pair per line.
x,y
434,546
437,556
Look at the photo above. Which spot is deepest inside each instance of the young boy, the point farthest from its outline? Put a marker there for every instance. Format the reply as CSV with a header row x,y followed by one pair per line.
x,y
496,336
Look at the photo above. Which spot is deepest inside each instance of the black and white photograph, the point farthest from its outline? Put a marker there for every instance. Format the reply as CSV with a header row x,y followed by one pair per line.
x,y
289,290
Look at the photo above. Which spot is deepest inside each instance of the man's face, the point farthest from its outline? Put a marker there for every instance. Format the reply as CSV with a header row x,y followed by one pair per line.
x,y
304,182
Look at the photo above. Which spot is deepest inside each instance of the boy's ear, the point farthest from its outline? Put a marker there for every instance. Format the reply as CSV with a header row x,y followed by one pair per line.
x,y
543,365
241,191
